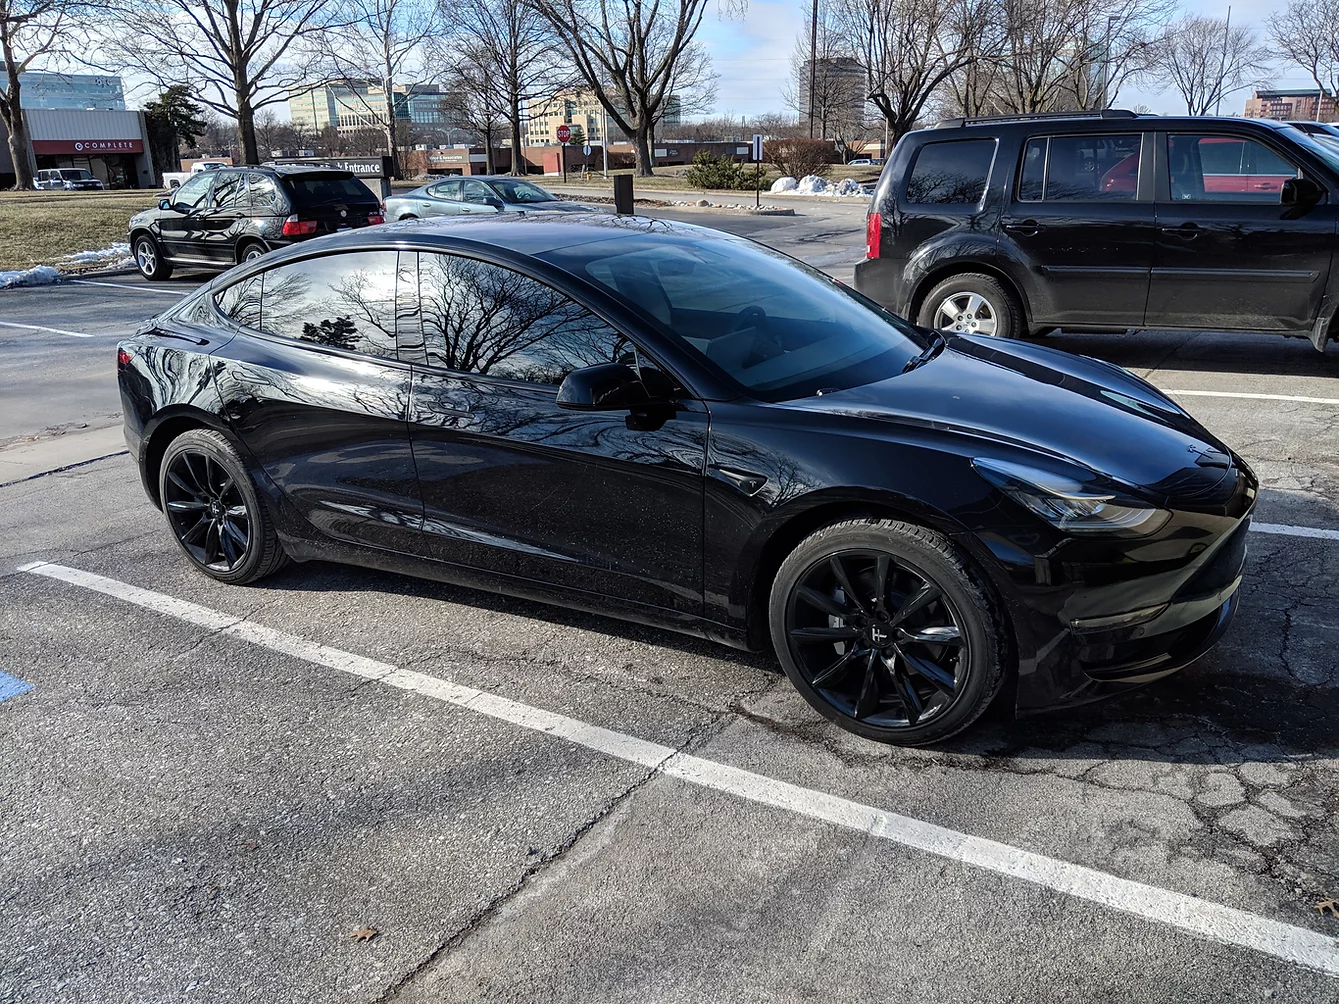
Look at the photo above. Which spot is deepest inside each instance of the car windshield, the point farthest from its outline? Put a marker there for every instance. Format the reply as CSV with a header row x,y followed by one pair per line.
x,y
778,328
1324,147
75,175
520,191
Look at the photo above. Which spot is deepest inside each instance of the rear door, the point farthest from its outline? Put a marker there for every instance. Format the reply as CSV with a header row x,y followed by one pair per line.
x,y
515,485
315,388
335,200
1229,253
1080,217
443,200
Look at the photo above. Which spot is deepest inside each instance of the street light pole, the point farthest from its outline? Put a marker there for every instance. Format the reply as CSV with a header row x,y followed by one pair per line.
x,y
1222,66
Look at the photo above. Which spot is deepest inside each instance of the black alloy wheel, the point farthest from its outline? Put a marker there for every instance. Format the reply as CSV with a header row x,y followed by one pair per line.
x,y
213,510
886,632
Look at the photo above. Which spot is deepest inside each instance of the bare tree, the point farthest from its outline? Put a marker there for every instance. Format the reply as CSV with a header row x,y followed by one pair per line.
x,y
828,61
31,31
237,56
1306,32
912,48
473,100
1206,60
377,40
512,48
632,54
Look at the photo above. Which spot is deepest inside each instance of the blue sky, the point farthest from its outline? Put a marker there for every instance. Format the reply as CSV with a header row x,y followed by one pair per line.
x,y
752,57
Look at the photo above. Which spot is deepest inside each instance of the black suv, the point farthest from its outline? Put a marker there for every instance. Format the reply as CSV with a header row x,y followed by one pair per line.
x,y
1014,226
219,218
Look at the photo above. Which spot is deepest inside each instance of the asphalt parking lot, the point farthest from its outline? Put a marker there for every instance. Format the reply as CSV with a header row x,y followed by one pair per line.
x,y
208,791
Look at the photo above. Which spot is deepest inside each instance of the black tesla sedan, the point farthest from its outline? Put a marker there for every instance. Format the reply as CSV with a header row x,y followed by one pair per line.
x,y
672,425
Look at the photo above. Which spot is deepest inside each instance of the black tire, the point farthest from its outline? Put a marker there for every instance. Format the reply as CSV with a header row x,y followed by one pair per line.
x,y
149,259
250,250
864,664
407,216
972,303
213,510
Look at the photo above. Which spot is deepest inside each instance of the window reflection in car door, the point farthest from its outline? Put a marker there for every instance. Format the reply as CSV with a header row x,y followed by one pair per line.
x,y
444,200
227,207
182,227
516,485
476,197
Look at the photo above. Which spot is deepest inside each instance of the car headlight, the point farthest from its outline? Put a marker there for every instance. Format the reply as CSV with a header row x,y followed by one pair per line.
x,y
1069,505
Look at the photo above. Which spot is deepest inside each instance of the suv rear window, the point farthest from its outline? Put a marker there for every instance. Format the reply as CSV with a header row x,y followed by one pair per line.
x,y
323,189
952,173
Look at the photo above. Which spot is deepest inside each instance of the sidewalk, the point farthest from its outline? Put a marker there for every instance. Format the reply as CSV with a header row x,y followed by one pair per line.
x,y
45,456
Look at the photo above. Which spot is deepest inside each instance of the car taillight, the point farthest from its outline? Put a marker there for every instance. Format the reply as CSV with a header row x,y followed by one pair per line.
x,y
873,235
122,357
374,218
294,227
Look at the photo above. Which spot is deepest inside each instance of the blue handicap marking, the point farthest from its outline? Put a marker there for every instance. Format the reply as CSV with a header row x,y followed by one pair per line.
x,y
12,686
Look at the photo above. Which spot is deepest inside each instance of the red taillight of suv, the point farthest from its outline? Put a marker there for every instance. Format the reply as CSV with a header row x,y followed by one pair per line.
x,y
374,218
873,234
294,227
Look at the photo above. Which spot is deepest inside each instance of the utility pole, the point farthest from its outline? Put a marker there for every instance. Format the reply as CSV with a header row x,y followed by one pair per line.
x,y
1106,65
813,65
1222,66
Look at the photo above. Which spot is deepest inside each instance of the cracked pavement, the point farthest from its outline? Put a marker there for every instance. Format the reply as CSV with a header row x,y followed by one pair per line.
x,y
187,816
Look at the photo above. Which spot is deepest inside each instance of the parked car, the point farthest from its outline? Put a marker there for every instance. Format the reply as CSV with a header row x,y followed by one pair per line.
x,y
678,426
468,196
1330,129
221,217
1106,222
71,179
175,179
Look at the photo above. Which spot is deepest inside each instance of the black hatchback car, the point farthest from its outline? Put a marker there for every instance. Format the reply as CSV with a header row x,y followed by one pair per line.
x,y
1015,226
677,426
219,218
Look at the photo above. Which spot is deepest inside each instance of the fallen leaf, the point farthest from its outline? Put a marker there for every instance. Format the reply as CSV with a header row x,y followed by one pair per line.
x,y
1330,906
364,934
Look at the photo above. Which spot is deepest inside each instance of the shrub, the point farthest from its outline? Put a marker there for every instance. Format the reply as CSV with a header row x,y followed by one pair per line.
x,y
799,157
707,171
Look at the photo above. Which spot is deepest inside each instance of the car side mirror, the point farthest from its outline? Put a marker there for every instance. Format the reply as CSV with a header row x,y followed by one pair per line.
x,y
495,203
1300,192
607,387
164,204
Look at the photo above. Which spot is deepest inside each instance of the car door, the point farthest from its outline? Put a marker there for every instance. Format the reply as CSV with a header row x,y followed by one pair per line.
x,y
476,197
513,484
1230,254
182,227
442,199
228,207
1081,217
314,386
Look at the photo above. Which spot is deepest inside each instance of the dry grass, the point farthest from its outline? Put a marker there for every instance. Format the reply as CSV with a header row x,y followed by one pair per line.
x,y
39,228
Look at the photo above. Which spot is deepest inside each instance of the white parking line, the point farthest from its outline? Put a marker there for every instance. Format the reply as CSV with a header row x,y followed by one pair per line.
x,y
1295,531
126,285
1254,397
1214,921
38,327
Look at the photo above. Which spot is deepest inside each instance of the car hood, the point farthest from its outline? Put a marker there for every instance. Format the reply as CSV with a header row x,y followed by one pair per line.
x,y
558,206
1042,400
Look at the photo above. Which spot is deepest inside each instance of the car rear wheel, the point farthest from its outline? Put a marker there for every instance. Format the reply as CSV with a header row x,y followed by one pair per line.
x,y
972,304
408,216
251,251
213,509
884,629
149,259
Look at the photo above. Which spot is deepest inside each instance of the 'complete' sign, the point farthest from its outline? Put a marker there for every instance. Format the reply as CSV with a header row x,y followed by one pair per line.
x,y
88,147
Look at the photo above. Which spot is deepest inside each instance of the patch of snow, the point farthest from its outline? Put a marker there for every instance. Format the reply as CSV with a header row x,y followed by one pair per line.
x,y
41,275
784,184
847,186
115,254
811,184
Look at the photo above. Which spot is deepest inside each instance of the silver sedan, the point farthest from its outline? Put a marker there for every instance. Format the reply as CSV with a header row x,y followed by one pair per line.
x,y
466,196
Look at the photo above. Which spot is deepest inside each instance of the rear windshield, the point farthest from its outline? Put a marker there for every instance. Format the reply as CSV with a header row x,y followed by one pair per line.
x,y
322,189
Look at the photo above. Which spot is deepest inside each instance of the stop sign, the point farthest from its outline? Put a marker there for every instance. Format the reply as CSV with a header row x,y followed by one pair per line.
x,y
564,133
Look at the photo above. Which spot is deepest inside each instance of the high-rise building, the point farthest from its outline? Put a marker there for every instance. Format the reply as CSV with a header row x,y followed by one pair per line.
x,y
839,94
78,91
352,106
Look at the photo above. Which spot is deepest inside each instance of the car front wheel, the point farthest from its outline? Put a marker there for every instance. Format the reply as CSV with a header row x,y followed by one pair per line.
x,y
149,259
213,509
884,629
972,304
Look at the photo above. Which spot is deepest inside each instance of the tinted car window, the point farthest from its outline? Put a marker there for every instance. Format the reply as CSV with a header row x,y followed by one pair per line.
x,y
1207,168
241,301
262,195
229,191
953,173
775,326
193,191
445,190
1098,167
481,318
345,301
321,189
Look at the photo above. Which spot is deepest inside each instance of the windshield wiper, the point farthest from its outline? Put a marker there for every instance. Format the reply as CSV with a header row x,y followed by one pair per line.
x,y
937,343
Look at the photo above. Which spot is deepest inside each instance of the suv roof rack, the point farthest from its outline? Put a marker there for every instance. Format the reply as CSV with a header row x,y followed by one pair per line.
x,y
1101,113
